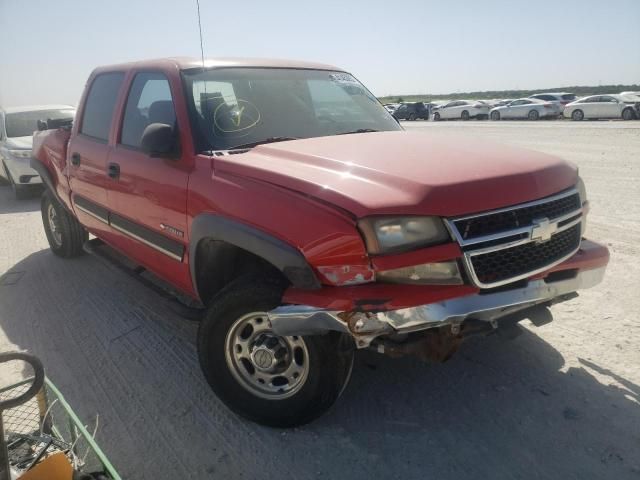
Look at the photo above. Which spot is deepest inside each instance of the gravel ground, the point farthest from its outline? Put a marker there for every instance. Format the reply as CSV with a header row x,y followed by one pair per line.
x,y
559,401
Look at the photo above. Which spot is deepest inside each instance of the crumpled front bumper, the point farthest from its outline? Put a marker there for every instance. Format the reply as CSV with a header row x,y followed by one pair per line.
x,y
489,306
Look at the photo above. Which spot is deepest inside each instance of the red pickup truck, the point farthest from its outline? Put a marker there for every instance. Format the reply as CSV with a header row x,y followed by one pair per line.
x,y
285,198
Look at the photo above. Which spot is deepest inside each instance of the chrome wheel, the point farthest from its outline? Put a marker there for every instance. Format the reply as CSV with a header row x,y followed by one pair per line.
x,y
267,365
54,226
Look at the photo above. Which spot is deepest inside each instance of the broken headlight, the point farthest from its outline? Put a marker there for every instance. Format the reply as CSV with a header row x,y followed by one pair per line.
x,y
440,273
394,234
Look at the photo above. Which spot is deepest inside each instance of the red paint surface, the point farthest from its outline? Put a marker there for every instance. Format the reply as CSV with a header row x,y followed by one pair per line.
x,y
308,193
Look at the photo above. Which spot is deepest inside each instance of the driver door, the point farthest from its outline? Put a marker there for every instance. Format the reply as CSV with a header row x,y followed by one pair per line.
x,y
148,195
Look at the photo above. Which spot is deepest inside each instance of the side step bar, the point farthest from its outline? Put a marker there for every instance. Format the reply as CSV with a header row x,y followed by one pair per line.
x,y
193,311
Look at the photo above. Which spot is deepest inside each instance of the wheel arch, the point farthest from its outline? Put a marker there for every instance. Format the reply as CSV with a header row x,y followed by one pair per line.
x,y
233,248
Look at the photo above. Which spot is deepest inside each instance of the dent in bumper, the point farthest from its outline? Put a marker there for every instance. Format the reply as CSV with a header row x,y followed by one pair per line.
x,y
584,270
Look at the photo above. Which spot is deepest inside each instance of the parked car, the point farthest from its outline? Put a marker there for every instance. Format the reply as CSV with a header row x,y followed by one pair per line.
x,y
306,237
601,106
17,125
561,98
462,109
392,107
412,111
526,108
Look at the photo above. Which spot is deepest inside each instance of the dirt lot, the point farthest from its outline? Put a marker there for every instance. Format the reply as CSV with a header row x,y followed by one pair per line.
x,y
560,401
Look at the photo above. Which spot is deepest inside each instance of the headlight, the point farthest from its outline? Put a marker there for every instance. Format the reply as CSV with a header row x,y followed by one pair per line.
x,y
582,192
441,273
389,234
20,153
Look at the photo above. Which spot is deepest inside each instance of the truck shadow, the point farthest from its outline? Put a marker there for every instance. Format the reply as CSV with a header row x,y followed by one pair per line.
x,y
499,409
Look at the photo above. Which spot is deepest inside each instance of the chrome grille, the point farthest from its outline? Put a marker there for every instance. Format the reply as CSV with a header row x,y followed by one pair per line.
x,y
507,245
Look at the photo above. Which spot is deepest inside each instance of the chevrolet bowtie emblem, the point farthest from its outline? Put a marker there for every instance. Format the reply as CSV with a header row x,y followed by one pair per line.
x,y
543,230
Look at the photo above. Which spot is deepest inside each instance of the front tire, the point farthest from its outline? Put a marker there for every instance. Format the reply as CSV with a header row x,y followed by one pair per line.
x,y
465,115
272,380
495,116
436,117
577,115
64,233
412,117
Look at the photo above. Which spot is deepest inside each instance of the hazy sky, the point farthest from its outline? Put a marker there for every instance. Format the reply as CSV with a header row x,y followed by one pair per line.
x,y
48,48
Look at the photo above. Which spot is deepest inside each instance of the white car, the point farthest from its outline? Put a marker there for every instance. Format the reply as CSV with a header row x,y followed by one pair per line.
x,y
392,107
17,125
600,106
526,108
561,98
461,109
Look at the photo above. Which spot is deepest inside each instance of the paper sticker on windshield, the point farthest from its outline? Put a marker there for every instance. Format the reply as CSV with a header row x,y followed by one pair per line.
x,y
342,78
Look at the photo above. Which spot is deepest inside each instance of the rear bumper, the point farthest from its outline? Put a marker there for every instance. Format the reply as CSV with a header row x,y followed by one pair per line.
x,y
584,270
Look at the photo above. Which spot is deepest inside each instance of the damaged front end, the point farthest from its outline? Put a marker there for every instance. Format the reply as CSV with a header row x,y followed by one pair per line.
x,y
434,331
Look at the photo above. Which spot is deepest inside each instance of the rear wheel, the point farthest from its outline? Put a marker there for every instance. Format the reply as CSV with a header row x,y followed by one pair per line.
x,y
495,115
64,233
577,115
269,379
628,114
465,115
533,115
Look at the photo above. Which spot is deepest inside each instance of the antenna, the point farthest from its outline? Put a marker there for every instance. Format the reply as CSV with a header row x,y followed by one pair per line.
x,y
200,29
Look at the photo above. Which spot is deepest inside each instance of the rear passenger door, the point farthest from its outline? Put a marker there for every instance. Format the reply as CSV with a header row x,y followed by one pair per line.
x,y
148,196
89,149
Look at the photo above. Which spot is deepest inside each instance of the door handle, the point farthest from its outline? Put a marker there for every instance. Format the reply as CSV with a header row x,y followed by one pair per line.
x,y
75,159
114,170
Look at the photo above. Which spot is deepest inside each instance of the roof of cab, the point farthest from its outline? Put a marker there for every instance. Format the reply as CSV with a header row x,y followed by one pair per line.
x,y
185,63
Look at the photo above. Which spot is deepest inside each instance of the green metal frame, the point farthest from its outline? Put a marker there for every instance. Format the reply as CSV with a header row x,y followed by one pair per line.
x,y
74,423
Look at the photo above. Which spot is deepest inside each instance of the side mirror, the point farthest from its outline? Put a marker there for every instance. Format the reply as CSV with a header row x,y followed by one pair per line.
x,y
159,140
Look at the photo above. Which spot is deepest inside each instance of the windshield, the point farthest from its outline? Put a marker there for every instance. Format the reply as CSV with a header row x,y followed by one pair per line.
x,y
23,124
242,106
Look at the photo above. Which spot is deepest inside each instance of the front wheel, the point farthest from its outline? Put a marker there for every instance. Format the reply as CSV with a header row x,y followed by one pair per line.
x,y
272,380
412,117
577,115
628,114
465,115
436,117
64,233
495,116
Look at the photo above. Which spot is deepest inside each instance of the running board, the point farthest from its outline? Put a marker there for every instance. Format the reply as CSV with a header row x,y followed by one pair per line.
x,y
176,302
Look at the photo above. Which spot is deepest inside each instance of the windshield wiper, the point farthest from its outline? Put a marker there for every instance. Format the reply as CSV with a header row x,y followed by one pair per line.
x,y
360,130
260,142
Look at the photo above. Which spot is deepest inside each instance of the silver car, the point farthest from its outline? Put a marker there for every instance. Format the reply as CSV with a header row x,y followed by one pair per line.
x,y
17,125
526,108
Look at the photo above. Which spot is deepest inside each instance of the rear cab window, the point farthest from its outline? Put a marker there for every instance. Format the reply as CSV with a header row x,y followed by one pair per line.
x,y
100,104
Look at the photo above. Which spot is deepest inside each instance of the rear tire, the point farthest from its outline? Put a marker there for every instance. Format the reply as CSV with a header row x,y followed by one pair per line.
x,y
577,115
533,115
465,115
628,114
64,233
495,116
277,398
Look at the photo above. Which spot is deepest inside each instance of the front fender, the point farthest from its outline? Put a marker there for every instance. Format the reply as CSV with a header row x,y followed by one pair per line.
x,y
289,260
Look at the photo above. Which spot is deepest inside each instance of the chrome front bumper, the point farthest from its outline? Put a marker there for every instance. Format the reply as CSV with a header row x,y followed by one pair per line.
x,y
366,326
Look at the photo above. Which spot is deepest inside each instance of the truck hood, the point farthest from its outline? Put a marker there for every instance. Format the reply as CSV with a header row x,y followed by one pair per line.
x,y
19,143
404,172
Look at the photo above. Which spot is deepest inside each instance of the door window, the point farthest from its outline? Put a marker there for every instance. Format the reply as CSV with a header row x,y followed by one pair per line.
x,y
101,101
149,101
